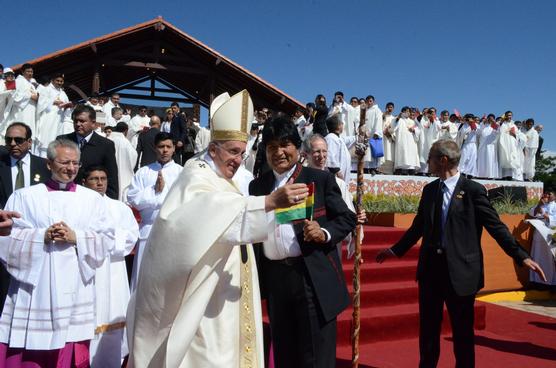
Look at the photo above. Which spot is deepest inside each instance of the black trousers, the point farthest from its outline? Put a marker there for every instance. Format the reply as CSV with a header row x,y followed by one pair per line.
x,y
435,289
300,335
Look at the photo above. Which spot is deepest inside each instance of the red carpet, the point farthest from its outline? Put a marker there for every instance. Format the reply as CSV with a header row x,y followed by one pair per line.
x,y
389,322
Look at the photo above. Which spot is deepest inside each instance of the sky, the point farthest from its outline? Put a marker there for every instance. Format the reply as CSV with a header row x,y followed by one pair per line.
x,y
474,56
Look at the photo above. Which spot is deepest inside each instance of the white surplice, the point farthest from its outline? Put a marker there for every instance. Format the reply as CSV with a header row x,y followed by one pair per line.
x,y
142,196
467,140
6,96
448,130
190,306
543,251
51,300
50,117
109,345
487,153
202,139
406,150
531,145
338,154
508,157
343,111
430,132
389,145
22,107
136,126
373,126
126,158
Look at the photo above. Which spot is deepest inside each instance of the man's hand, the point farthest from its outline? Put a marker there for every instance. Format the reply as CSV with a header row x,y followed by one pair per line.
x,y
533,266
312,232
384,255
179,144
286,196
362,217
159,185
6,222
60,232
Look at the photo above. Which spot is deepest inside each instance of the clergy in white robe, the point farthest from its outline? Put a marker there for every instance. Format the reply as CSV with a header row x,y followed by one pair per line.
x,y
430,132
467,141
387,166
137,124
7,90
202,139
448,130
113,102
406,135
126,159
373,130
52,254
543,251
149,187
197,302
521,141
53,109
344,111
508,155
339,157
23,105
487,152
530,150
109,346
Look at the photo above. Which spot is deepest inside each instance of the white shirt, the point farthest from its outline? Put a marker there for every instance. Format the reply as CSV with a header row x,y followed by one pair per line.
x,y
448,192
26,170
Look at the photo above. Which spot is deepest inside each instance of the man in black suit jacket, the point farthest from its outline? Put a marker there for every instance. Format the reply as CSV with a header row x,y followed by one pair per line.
x,y
452,213
300,272
146,152
178,129
95,149
33,171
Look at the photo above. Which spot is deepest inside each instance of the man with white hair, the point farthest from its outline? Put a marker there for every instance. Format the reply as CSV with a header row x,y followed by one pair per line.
x,y
197,302
52,254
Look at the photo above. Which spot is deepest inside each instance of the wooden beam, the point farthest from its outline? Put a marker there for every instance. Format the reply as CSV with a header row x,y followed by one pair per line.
x,y
158,98
148,89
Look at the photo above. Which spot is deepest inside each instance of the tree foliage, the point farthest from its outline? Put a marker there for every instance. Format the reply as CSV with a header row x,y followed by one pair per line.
x,y
545,171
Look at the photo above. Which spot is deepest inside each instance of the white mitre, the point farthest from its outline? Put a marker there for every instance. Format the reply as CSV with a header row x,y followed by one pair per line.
x,y
230,117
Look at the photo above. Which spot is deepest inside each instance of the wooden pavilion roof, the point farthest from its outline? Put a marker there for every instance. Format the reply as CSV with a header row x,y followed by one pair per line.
x,y
156,51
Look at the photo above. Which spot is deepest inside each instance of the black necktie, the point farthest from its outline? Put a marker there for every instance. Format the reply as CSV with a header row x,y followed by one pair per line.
x,y
437,219
19,178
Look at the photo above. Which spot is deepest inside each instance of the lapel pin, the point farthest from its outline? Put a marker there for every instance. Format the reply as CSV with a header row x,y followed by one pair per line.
x,y
460,195
37,178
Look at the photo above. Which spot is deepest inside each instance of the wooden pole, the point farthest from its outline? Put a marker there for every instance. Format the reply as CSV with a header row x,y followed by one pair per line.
x,y
356,323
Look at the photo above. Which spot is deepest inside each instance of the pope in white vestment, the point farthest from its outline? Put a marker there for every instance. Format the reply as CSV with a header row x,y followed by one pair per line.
x,y
197,302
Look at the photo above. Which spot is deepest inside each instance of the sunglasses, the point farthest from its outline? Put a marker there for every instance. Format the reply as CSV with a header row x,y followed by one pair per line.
x,y
17,140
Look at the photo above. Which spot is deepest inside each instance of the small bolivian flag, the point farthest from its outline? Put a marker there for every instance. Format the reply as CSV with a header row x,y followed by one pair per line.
x,y
300,211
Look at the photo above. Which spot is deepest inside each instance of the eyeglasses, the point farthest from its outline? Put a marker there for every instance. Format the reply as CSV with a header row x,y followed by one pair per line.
x,y
234,153
68,163
17,140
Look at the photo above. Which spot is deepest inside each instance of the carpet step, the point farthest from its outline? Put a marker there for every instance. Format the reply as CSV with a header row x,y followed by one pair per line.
x,y
388,293
369,252
393,323
382,234
388,271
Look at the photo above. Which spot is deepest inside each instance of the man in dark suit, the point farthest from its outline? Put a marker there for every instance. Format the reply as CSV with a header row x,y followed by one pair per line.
x,y
95,149
146,152
18,169
178,129
299,269
452,213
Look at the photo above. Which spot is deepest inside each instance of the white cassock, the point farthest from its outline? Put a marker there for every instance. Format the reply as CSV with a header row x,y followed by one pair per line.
x,y
22,107
430,131
338,154
300,122
467,141
531,145
521,141
197,303
142,196
389,145
51,299
487,153
109,346
50,117
126,159
508,157
251,151
448,130
543,251
6,96
96,107
344,112
406,151
202,139
373,126
107,108
136,126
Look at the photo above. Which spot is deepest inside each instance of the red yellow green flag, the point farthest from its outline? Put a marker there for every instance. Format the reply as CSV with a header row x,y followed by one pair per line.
x,y
300,211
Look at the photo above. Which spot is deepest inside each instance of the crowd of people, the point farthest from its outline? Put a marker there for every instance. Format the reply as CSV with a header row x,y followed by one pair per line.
x,y
88,184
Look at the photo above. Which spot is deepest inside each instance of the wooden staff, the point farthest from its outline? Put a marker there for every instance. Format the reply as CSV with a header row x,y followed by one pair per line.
x,y
360,149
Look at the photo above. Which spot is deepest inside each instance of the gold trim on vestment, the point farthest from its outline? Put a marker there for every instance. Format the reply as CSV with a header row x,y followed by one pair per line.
x,y
229,135
244,108
247,327
109,327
